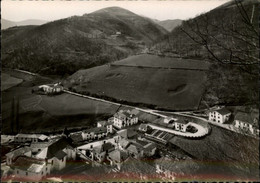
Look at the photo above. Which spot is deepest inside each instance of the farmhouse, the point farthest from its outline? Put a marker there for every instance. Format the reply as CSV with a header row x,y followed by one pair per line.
x,y
21,138
49,89
124,118
30,169
247,122
220,115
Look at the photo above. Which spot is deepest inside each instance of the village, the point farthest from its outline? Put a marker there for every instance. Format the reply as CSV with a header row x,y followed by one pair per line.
x,y
121,138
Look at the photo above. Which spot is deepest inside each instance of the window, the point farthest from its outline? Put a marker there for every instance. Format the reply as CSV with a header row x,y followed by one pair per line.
x,y
46,169
17,172
26,173
42,172
51,162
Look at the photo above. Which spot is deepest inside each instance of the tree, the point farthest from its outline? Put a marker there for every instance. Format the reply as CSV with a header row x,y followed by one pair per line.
x,y
229,34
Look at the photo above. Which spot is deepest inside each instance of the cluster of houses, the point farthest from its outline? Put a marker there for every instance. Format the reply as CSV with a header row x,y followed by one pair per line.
x,y
125,144
247,122
38,156
49,89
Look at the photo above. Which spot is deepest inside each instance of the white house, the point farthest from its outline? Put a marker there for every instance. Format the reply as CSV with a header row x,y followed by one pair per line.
x,y
181,125
94,133
124,118
107,124
247,122
21,138
50,89
220,115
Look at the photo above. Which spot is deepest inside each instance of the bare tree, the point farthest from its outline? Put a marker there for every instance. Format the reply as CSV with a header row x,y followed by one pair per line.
x,y
229,35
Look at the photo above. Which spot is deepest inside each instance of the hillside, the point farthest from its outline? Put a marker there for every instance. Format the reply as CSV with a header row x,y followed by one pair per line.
x,y
228,37
64,46
146,81
5,24
170,24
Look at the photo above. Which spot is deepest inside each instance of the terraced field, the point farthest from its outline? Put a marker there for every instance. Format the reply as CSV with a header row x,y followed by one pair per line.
x,y
146,82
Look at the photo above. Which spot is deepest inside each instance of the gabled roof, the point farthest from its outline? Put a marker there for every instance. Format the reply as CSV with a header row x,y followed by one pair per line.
x,y
40,144
180,121
55,148
60,154
29,164
104,147
150,147
18,152
223,111
118,155
96,130
124,143
127,133
134,148
76,137
143,127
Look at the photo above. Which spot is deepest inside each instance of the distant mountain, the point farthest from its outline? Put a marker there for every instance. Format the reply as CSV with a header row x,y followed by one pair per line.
x,y
170,24
5,24
67,45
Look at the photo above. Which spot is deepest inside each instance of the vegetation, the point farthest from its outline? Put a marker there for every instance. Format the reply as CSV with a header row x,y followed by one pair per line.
x,y
64,46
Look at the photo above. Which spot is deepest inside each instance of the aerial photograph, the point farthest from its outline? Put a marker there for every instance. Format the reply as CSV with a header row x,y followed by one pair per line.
x,y
130,91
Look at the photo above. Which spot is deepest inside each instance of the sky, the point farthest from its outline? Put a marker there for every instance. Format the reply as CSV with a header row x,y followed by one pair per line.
x,y
57,9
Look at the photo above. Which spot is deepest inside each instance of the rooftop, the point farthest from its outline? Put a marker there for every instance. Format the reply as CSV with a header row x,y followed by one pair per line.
x,y
118,155
29,164
127,133
247,117
39,136
182,121
96,130
223,111
18,152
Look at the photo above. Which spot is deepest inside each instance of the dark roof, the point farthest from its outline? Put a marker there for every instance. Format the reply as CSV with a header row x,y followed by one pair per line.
x,y
223,111
182,121
76,137
150,147
60,154
29,164
107,146
127,133
96,130
57,146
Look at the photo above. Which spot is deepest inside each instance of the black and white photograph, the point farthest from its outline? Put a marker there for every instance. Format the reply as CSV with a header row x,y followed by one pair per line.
x,y
130,91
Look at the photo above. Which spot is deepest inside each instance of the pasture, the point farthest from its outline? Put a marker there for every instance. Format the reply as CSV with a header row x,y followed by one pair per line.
x,y
171,89
8,81
146,60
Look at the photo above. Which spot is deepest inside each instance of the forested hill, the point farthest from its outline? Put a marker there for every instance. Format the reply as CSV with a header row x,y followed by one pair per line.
x,y
228,37
64,46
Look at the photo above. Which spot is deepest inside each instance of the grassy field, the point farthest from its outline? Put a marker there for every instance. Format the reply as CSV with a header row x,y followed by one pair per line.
x,y
145,60
8,81
42,113
174,89
224,146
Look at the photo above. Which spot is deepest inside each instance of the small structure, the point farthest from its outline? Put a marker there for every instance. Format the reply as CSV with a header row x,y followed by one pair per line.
x,y
181,125
143,127
220,115
117,157
49,89
247,122
135,150
123,144
124,118
22,138
27,168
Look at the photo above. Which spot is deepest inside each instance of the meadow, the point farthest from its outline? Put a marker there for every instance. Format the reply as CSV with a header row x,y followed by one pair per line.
x,y
171,89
